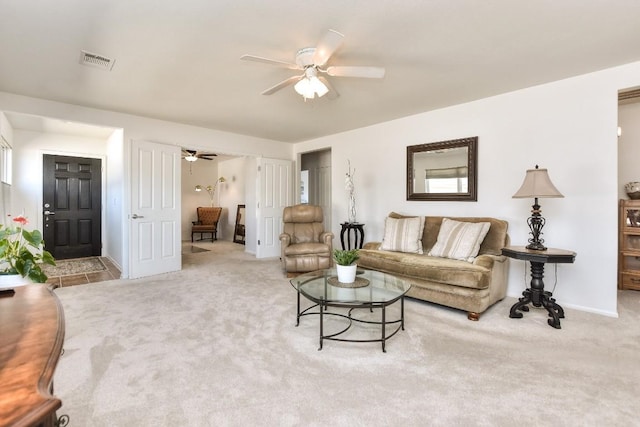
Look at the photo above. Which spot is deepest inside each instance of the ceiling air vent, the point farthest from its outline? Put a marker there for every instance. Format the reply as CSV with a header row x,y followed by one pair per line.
x,y
96,61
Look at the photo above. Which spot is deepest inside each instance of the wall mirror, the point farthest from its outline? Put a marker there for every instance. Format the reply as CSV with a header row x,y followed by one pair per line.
x,y
445,170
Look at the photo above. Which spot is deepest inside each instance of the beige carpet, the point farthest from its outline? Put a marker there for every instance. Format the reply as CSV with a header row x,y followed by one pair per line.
x,y
216,345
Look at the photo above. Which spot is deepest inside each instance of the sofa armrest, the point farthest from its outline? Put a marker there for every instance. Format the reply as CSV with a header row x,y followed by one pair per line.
x,y
326,237
498,264
374,246
487,261
285,239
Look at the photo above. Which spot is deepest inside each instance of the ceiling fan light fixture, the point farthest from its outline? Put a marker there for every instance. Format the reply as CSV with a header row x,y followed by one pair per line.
x,y
318,86
309,87
191,158
303,87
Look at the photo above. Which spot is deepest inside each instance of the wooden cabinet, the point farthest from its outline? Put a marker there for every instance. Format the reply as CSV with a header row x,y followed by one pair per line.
x,y
629,245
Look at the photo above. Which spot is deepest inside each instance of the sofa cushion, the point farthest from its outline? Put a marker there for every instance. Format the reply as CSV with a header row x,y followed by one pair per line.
x,y
496,239
403,234
311,248
459,240
427,268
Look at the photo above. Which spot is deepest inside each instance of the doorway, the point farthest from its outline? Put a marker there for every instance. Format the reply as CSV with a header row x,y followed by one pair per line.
x,y
315,176
71,205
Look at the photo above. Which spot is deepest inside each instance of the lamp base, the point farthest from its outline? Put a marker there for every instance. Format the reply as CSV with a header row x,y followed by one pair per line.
x,y
536,222
536,246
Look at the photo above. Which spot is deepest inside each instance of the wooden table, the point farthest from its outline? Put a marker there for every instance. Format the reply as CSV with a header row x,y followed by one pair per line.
x,y
31,338
536,294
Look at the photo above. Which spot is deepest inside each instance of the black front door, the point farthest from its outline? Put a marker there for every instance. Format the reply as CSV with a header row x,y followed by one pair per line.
x,y
72,206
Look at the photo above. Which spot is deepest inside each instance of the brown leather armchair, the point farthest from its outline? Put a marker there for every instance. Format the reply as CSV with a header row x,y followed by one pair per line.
x,y
207,222
305,246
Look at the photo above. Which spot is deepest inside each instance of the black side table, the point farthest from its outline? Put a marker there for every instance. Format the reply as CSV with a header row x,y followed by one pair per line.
x,y
352,228
536,293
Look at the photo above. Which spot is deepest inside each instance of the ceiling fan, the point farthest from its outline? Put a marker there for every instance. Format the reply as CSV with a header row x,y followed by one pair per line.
x,y
312,60
193,155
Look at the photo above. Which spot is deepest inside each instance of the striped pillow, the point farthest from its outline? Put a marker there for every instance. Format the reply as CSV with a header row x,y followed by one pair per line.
x,y
403,234
459,240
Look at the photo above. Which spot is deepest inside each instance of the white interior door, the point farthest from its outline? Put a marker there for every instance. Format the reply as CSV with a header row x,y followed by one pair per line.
x,y
154,220
275,192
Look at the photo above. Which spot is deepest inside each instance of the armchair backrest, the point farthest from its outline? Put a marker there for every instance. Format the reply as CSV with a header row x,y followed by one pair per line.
x,y
208,216
303,222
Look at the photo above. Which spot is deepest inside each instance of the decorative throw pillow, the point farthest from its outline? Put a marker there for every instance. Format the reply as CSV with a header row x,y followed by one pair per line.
x,y
403,235
459,240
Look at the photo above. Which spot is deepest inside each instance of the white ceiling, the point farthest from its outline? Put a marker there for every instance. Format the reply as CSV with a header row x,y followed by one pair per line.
x,y
179,60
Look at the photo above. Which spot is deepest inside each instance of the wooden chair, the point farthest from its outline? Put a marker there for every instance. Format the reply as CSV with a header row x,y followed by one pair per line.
x,y
207,222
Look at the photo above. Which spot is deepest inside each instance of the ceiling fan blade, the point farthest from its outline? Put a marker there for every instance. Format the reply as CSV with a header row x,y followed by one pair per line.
x,y
270,61
204,158
206,154
329,44
282,84
347,71
332,94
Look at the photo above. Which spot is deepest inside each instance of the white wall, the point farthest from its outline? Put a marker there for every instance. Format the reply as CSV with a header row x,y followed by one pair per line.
x,y
142,128
568,126
629,146
113,207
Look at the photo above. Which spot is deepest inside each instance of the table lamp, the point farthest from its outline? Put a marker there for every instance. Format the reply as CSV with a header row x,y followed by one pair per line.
x,y
537,184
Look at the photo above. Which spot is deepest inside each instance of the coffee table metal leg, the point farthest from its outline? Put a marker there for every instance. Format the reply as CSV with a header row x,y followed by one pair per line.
x,y
402,312
298,314
384,327
321,319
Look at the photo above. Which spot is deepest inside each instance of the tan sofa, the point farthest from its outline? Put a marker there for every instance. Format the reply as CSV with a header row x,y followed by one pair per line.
x,y
470,286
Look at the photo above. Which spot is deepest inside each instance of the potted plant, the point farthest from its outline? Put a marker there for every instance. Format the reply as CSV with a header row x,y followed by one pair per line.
x,y
345,264
21,255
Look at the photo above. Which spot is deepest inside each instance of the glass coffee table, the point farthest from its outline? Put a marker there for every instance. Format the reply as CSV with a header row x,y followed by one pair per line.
x,y
372,290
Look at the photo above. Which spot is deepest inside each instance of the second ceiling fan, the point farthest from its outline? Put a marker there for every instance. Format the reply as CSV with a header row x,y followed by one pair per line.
x,y
193,155
312,60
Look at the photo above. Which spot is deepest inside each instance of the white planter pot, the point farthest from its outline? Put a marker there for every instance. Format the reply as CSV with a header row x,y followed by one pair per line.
x,y
11,281
346,273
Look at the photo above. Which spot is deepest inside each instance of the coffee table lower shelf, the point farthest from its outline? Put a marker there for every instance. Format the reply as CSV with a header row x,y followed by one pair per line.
x,y
322,311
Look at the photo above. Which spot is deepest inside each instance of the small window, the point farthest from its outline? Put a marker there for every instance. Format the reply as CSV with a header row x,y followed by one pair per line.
x,y
5,161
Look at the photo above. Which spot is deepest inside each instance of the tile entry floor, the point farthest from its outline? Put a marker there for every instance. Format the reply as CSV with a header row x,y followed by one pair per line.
x,y
110,273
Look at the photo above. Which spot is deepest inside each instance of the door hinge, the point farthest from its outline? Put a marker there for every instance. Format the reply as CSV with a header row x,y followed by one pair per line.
x,y
259,168
258,242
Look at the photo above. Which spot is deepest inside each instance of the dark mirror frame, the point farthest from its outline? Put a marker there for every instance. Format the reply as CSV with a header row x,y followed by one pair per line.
x,y
472,163
239,230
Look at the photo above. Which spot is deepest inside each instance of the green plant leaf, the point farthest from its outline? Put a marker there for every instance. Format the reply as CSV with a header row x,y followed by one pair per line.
x,y
345,257
47,258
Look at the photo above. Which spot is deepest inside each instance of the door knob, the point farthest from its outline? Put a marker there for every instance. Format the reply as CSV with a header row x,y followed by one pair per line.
x,y
49,213
136,216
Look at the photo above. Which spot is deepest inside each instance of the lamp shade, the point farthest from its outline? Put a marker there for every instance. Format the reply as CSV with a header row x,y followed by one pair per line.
x,y
537,184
